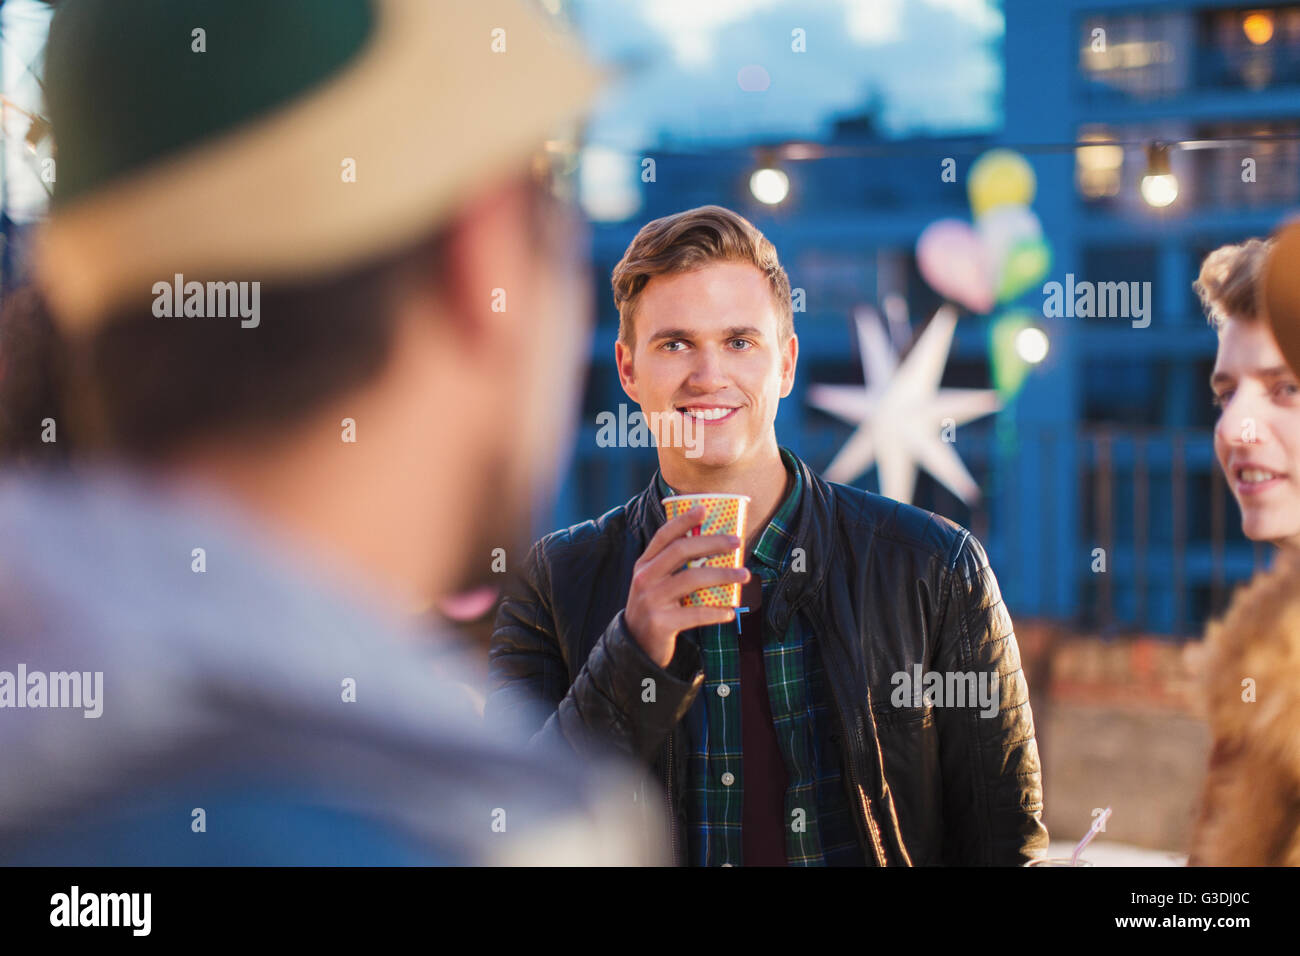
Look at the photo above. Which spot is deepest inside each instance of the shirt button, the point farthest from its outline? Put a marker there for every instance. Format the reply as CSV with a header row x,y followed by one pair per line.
x,y
728,779
723,690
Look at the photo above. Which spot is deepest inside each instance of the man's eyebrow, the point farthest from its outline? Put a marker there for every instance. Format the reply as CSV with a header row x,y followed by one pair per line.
x,y
730,333
1273,371
672,334
1276,371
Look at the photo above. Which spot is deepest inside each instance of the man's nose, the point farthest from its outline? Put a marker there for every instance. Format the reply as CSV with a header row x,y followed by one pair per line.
x,y
1242,422
707,372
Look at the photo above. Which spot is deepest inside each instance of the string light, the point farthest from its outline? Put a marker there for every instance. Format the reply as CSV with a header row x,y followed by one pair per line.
x,y
1159,184
769,185
1258,27
1158,187
1031,344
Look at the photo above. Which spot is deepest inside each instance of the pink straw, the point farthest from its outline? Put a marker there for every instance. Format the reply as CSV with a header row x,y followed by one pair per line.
x,y
1097,824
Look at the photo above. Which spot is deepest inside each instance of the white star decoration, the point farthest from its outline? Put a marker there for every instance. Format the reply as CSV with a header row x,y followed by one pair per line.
x,y
901,412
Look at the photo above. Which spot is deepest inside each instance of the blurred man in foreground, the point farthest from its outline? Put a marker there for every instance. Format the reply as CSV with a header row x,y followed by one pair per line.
x,y
314,296
1248,815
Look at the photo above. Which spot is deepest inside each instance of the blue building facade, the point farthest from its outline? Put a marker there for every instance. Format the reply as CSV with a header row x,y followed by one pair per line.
x,y
1102,505
1137,475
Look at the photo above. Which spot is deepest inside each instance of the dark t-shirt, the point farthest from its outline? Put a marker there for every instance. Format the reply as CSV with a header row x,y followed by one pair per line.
x,y
763,813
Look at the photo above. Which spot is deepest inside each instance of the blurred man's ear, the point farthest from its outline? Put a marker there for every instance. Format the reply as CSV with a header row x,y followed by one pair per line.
x,y
484,254
626,370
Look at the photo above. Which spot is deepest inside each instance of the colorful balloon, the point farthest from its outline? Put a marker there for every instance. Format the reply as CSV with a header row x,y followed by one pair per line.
x,y
1001,177
1025,266
1008,368
1001,229
953,261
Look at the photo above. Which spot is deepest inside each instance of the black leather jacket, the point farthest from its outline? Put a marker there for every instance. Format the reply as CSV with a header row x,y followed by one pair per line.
x,y
884,586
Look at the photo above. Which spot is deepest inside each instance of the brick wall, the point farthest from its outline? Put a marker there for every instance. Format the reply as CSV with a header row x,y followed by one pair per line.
x,y
1120,724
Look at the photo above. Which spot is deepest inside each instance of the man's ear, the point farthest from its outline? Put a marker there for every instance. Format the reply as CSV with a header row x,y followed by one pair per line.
x,y
626,372
482,254
789,359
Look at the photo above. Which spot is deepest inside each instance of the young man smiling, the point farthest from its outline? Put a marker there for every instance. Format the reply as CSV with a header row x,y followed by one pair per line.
x,y
1257,436
772,730
1247,813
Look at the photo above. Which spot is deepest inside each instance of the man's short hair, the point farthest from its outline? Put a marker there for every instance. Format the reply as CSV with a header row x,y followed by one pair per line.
x,y
687,241
1228,285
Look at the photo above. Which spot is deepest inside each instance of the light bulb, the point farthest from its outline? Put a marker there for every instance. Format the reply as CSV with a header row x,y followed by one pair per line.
x,y
1159,191
1159,185
1031,344
769,186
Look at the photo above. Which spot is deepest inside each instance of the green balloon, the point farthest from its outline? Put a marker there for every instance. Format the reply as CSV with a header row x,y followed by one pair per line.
x,y
1008,368
1027,263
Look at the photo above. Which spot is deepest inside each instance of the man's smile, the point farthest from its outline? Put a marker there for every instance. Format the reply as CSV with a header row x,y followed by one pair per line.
x,y
708,414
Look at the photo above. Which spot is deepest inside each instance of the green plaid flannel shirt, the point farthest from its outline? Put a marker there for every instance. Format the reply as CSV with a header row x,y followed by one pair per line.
x,y
825,834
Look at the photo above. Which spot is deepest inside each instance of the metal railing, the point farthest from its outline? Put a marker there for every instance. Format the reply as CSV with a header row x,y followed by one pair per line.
x,y
1154,542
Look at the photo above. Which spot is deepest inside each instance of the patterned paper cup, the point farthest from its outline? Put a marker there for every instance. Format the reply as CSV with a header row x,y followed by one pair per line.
x,y
725,514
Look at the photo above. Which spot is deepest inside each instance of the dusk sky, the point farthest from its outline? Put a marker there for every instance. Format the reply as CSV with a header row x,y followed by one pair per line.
x,y
934,66
929,66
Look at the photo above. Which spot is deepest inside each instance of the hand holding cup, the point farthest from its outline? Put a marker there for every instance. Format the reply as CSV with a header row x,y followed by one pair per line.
x,y
663,581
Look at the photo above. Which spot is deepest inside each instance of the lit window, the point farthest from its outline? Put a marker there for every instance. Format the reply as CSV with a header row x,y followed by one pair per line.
x,y
1098,169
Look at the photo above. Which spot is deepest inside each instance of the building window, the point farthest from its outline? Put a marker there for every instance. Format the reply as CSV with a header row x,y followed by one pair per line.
x,y
1249,48
1132,56
841,279
1250,173
1111,271
1098,170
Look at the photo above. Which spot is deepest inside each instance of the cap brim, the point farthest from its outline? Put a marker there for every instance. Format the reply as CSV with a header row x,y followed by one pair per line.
x,y
426,114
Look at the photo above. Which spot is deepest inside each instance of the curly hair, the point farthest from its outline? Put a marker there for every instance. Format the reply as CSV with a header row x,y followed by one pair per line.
x,y
1229,281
